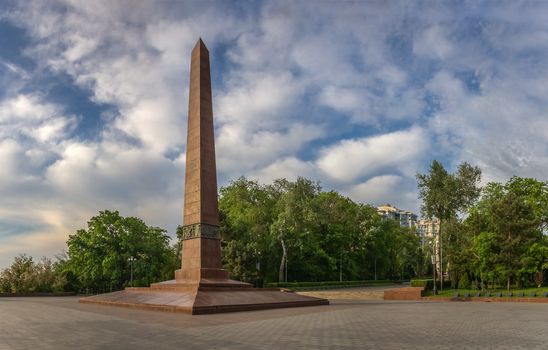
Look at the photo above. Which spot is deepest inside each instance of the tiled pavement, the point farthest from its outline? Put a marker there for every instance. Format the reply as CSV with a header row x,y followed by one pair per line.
x,y
62,323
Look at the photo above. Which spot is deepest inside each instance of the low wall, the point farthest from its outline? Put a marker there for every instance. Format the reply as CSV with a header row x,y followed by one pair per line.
x,y
406,293
492,299
13,295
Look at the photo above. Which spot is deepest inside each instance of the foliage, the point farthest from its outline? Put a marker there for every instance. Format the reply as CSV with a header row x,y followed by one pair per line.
x,y
502,241
26,276
328,284
428,283
326,236
464,282
445,196
99,256
295,227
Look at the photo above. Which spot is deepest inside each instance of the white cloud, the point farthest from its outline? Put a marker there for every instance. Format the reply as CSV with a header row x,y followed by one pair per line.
x,y
28,115
289,168
433,43
358,158
258,100
240,151
393,189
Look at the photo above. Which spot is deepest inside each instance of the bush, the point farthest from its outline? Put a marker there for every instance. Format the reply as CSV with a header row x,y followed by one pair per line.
x,y
326,284
464,283
428,284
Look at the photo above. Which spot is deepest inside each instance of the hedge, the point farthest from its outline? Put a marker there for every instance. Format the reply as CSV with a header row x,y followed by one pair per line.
x,y
327,284
428,284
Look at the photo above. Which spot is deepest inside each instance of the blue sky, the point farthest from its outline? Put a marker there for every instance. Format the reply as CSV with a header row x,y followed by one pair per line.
x,y
357,95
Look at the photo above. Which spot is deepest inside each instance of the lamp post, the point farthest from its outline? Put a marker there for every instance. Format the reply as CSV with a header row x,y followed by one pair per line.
x,y
286,268
340,267
131,259
434,262
375,268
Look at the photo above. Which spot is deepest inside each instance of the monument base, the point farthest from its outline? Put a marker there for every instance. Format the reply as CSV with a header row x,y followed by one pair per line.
x,y
205,297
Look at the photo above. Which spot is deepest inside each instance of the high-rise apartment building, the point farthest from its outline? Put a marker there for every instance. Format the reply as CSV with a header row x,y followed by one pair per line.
x,y
405,218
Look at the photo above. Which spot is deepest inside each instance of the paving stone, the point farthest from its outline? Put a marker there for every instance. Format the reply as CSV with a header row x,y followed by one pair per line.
x,y
63,323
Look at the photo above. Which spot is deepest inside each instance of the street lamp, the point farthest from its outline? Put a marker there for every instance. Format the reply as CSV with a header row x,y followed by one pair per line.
x,y
340,267
434,262
286,268
131,259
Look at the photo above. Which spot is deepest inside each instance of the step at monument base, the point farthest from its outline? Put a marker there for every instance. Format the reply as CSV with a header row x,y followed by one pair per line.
x,y
206,297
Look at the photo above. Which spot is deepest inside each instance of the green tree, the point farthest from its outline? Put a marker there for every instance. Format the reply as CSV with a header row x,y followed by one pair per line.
x,y
99,255
324,236
19,277
246,215
535,261
445,196
506,227
515,224
26,276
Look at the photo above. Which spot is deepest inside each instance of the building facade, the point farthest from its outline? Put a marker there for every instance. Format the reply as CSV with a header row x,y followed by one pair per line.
x,y
405,218
429,233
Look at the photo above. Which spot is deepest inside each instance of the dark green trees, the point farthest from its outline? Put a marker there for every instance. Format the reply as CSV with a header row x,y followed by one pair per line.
x,y
27,276
99,256
506,229
444,196
297,229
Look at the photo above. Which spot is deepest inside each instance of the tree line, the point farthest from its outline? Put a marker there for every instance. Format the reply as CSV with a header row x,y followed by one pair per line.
x,y
296,231
490,237
284,231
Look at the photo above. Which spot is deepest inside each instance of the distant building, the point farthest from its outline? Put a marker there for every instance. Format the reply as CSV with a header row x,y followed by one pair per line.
x,y
428,229
405,218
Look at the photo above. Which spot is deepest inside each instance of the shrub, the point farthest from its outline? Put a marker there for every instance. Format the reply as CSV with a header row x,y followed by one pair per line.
x,y
326,284
426,283
464,283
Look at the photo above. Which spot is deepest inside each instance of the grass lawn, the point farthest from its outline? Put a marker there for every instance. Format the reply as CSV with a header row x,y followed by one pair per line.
x,y
447,293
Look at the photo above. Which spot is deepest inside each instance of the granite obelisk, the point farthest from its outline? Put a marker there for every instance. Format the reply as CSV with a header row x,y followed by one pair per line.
x,y
201,286
201,257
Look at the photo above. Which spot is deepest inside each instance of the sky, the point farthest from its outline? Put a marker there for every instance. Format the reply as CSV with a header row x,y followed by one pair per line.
x,y
360,96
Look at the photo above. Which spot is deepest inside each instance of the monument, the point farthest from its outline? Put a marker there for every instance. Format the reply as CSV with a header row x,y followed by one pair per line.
x,y
202,285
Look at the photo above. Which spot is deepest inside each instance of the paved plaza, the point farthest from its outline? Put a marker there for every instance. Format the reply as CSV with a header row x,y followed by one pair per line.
x,y
63,323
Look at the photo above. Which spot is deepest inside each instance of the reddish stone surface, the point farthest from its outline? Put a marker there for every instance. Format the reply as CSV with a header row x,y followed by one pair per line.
x,y
408,293
201,176
206,298
201,256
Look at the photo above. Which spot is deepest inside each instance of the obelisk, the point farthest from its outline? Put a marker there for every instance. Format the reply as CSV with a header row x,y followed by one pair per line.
x,y
201,256
201,286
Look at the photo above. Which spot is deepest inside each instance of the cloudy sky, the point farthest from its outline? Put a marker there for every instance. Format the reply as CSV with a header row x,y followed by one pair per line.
x,y
357,95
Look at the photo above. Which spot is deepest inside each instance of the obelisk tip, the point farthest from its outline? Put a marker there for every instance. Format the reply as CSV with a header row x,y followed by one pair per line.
x,y
200,45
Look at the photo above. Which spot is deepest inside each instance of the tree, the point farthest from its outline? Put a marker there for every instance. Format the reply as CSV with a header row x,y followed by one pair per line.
x,y
26,276
245,218
516,225
322,235
99,255
506,227
446,195
19,277
535,261
295,226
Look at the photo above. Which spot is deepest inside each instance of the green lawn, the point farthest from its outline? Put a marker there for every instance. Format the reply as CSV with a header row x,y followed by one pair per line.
x,y
447,293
